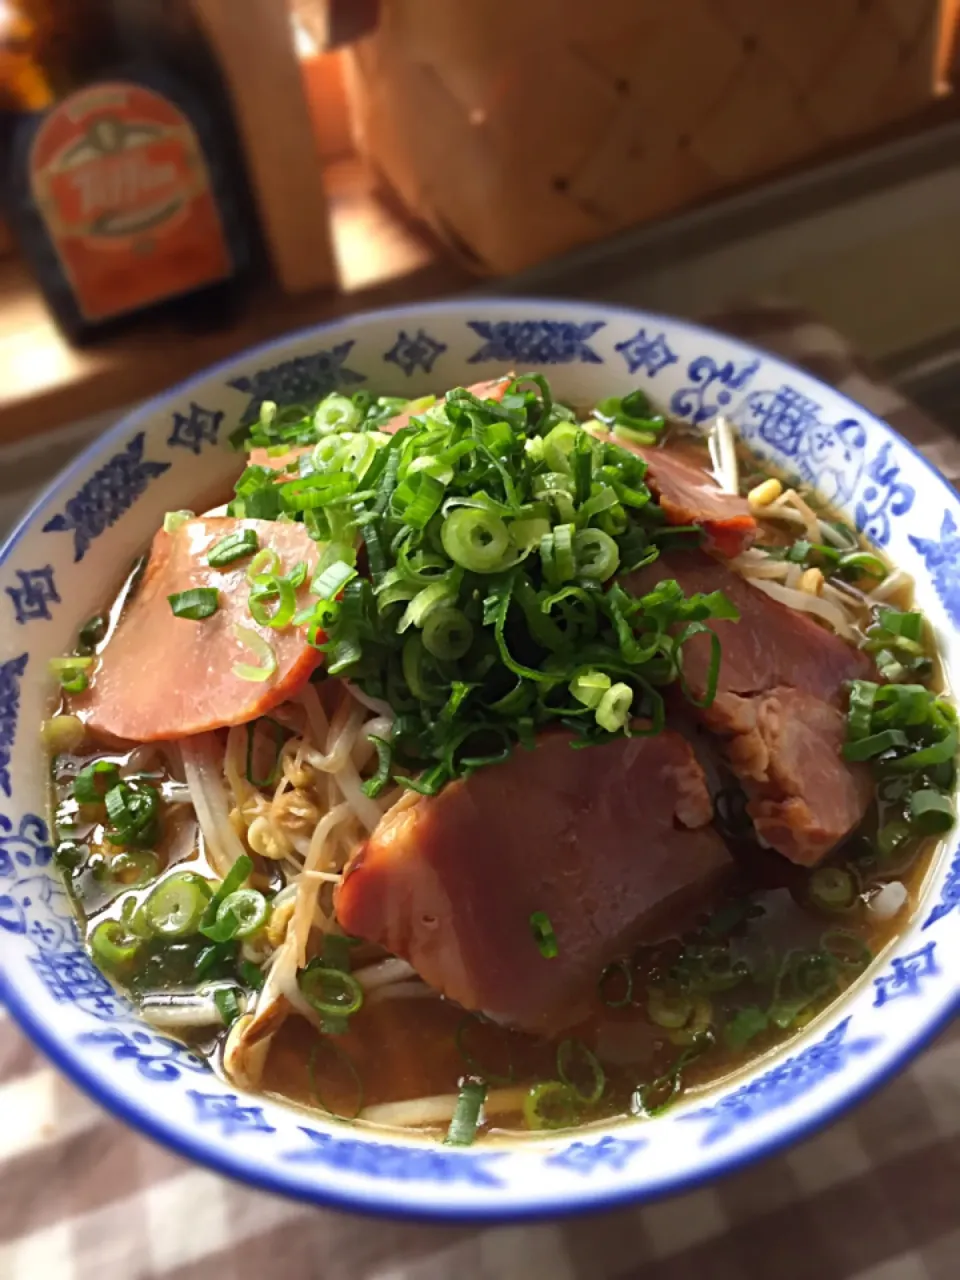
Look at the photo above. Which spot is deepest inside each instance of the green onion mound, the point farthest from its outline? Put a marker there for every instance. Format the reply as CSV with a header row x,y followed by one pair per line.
x,y
471,566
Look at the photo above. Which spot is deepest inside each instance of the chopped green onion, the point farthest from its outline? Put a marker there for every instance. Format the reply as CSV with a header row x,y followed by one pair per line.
x,y
251,975
863,695
631,436
670,1012
466,1116
235,879
619,1002
931,812
654,1098
373,786
874,744
218,960
889,666
330,991
551,1105
558,445
93,782
261,649
492,1077
176,906
904,706
891,836
846,949
447,633
898,623
745,1025
613,709
939,753
332,579
227,1004
557,555
235,546
92,632
266,561
597,555
336,413
862,564
174,519
112,946
574,1061
328,1042
589,687
74,682
476,540
833,888
527,533
843,531
195,604
543,935
698,1022
132,917
804,978
71,673
262,503
134,867
419,608
239,915
132,810
335,955
281,733
266,589
636,404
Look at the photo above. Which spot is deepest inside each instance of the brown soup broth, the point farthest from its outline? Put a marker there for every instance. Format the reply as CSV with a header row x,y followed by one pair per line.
x,y
404,1047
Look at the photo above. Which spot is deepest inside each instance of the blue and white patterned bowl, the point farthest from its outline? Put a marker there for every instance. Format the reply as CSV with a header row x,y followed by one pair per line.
x,y
74,546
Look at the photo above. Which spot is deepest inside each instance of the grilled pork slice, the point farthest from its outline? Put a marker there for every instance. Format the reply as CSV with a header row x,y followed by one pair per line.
x,y
778,705
689,495
593,845
162,676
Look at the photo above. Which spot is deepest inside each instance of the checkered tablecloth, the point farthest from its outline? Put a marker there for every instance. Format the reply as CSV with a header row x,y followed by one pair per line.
x,y
875,1197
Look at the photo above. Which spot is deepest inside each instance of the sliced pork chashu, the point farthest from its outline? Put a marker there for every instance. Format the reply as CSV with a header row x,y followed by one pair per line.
x,y
598,841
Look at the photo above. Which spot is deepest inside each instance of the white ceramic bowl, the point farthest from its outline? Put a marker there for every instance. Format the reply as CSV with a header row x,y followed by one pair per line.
x,y
69,554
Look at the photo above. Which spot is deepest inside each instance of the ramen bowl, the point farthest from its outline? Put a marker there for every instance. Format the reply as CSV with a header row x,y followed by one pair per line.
x,y
71,551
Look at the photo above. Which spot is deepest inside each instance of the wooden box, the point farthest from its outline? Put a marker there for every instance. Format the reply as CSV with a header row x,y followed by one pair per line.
x,y
520,128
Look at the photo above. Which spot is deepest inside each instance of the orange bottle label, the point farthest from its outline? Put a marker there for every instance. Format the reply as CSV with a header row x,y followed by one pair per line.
x,y
120,180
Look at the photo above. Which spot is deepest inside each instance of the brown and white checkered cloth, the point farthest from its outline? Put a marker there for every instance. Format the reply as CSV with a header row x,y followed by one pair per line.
x,y
875,1197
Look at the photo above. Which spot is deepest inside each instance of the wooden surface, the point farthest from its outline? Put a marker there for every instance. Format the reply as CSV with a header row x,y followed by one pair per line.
x,y
44,383
253,41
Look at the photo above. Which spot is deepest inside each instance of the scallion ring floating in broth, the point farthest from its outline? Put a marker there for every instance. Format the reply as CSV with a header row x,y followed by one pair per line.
x,y
580,1070
112,946
551,1105
331,991
175,908
71,673
833,888
239,915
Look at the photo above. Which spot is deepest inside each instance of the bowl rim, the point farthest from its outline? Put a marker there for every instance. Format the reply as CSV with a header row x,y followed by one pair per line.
x,y
225,1160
